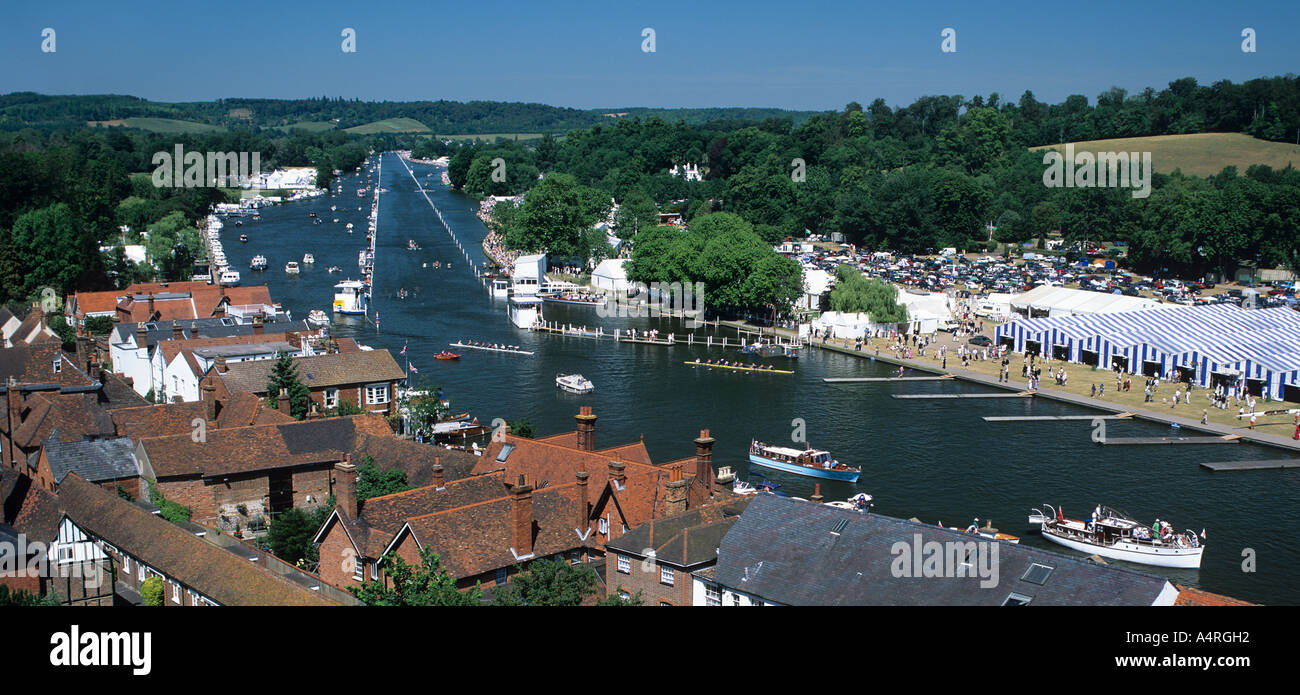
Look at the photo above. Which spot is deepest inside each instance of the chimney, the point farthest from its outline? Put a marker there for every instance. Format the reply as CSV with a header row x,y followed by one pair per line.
x,y
345,486
257,325
617,475
675,502
150,317
220,363
207,394
586,429
194,329
14,412
438,481
141,336
817,493
704,459
282,403
178,333
521,520
83,352
584,512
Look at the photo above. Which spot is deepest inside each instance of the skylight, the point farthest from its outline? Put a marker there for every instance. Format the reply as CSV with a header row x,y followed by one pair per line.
x,y
505,452
1037,574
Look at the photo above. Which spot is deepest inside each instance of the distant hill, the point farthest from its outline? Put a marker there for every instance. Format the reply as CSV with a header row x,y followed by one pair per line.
x,y
1199,154
28,109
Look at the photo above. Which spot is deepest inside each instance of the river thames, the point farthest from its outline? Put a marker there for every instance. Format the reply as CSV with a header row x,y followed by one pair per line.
x,y
935,460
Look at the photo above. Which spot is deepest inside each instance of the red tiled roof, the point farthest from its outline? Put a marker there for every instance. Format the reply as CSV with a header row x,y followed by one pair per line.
x,y
1188,596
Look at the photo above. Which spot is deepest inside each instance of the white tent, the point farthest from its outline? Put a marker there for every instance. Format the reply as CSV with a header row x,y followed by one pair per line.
x,y
1045,300
611,274
815,283
927,311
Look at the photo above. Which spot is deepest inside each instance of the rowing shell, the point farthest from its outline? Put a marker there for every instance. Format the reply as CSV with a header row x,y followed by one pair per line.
x,y
491,349
739,369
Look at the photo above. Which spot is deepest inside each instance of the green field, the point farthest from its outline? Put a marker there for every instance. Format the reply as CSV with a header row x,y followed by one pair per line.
x,y
160,125
1200,154
389,125
309,126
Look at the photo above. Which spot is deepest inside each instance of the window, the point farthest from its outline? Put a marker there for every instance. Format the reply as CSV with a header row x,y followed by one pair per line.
x,y
502,574
757,602
735,599
58,364
666,575
331,398
358,566
1037,574
505,452
712,595
665,603
1017,600
603,526
624,595
376,394
575,557
176,593
374,571
65,554
624,564
126,564
140,565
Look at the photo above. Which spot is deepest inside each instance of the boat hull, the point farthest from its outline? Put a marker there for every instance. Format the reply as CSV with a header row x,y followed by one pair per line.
x,y
1185,558
823,473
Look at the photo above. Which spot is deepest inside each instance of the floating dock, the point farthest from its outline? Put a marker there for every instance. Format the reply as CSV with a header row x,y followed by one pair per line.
x,y
1120,441
1225,466
739,369
491,349
863,379
928,396
1053,418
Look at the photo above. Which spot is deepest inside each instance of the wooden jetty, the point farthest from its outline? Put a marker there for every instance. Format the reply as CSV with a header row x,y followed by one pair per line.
x,y
863,379
648,341
693,363
1053,418
1225,466
491,349
1121,441
928,396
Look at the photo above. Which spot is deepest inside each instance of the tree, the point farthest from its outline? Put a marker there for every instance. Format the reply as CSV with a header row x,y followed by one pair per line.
x,y
291,533
24,598
53,246
152,591
372,482
555,216
521,428
426,585
548,583
635,212
284,376
615,599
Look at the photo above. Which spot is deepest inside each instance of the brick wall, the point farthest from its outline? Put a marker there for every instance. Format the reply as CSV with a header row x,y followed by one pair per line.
x,y
653,591
335,549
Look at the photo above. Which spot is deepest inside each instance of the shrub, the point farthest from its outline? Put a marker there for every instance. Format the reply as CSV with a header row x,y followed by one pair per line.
x,y
152,591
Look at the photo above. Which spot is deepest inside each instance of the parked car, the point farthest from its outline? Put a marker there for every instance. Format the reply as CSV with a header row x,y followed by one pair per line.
x,y
980,340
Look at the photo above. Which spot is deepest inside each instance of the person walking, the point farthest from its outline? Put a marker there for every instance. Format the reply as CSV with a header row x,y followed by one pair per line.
x,y
1205,417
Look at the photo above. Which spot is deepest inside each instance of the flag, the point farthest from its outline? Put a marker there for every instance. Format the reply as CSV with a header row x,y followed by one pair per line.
x,y
413,369
1202,533
403,352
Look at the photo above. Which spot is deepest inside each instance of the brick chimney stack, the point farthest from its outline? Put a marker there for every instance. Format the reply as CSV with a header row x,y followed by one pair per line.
x,y
150,317
817,493
83,352
13,412
617,474
675,502
194,329
208,394
258,328
704,459
141,336
438,481
345,486
178,333
282,403
521,519
586,429
220,364
583,510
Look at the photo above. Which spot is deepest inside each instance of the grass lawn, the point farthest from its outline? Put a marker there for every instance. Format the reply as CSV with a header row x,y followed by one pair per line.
x,y
389,125
1201,154
161,125
492,137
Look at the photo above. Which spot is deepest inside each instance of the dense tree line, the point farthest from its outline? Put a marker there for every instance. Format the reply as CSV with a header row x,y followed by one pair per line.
x,y
64,194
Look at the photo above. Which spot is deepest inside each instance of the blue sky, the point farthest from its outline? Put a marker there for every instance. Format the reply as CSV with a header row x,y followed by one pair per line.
x,y
799,55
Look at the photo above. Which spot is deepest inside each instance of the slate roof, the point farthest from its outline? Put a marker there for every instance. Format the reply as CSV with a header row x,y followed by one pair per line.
x,y
96,460
260,447
783,550
317,371
684,540
204,327
212,571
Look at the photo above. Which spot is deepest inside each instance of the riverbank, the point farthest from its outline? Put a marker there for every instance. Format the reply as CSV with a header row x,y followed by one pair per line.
x,y
1274,431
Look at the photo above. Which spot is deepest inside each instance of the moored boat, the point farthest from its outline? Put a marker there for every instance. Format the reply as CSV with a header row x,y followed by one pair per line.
x,y
308,259
259,263
987,531
350,297
318,318
291,267
228,278
574,383
1113,534
814,463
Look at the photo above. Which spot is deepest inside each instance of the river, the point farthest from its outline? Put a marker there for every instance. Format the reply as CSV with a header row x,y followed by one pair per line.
x,y
935,460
